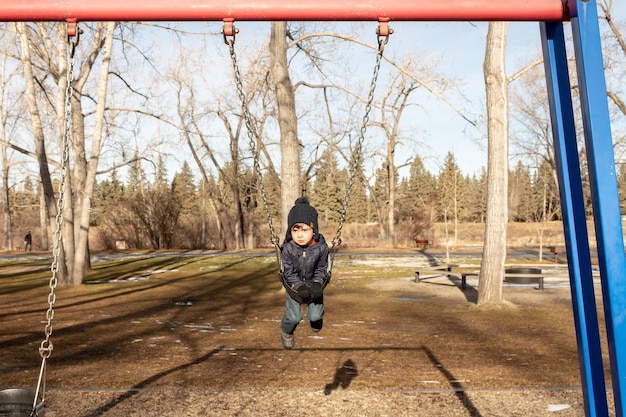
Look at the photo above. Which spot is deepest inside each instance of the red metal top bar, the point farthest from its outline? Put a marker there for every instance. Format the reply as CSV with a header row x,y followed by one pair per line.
x,y
253,10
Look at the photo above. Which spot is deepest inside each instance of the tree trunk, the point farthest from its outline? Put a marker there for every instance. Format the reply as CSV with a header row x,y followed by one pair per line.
x,y
287,120
218,223
40,150
43,220
88,177
496,84
391,197
6,212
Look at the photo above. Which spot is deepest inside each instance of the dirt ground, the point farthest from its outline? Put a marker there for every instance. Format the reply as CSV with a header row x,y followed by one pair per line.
x,y
199,336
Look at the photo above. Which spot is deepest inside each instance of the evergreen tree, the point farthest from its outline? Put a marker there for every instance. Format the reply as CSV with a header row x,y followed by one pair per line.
x,y
546,189
450,187
422,189
272,193
522,200
185,195
329,187
378,195
161,171
184,190
136,176
477,197
452,195
108,194
357,206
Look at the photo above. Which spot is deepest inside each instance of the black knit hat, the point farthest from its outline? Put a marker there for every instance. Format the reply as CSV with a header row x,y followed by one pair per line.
x,y
302,212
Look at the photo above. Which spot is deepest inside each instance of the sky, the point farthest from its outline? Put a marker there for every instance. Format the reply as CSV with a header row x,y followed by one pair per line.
x,y
458,50
457,47
461,46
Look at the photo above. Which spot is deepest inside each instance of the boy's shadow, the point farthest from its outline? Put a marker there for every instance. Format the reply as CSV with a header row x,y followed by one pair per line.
x,y
343,377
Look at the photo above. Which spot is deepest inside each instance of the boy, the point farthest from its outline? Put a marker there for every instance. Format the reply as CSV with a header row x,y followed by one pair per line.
x,y
304,256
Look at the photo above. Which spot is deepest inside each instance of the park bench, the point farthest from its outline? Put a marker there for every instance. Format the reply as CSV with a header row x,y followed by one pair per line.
x,y
511,273
422,243
436,271
539,276
556,251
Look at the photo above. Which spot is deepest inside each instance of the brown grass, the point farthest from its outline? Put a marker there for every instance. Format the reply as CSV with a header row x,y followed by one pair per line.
x,y
211,323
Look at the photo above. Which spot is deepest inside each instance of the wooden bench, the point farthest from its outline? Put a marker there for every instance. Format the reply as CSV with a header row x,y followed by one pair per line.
x,y
422,243
435,271
539,277
556,251
446,270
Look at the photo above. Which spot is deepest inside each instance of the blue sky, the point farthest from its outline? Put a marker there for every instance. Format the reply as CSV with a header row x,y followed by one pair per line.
x,y
459,49
461,46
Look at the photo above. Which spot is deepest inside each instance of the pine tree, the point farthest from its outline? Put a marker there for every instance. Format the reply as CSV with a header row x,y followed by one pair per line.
x,y
422,189
357,206
452,193
184,190
522,201
136,176
109,193
479,197
161,171
546,189
329,188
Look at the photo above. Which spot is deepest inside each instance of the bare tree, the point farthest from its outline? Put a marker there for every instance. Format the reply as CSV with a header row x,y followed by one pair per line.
x,y
496,84
50,53
614,53
39,137
290,145
202,120
6,163
394,103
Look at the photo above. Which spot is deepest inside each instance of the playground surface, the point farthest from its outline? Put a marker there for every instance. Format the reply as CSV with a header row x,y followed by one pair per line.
x,y
198,336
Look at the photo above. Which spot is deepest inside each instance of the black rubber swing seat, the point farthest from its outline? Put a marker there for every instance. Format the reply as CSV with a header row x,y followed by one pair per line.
x,y
18,402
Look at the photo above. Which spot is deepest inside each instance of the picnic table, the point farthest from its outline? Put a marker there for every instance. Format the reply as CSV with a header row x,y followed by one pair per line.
x,y
513,273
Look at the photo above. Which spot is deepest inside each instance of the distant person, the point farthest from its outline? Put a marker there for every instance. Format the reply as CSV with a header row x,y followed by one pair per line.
x,y
304,256
28,242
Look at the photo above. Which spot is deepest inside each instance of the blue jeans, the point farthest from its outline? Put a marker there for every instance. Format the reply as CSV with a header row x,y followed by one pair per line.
x,y
293,313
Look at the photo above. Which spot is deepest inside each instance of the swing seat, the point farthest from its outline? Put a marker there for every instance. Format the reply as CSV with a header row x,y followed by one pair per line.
x,y
17,402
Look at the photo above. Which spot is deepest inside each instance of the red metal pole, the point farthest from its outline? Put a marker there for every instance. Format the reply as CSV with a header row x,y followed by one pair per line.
x,y
267,10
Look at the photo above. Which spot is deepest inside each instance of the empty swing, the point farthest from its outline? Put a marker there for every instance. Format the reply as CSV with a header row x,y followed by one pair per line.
x,y
383,31
17,402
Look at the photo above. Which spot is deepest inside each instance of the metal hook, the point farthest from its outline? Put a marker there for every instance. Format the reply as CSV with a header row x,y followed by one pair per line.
x,y
73,34
383,31
229,31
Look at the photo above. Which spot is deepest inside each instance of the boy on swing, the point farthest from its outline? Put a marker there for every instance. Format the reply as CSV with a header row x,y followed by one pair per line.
x,y
304,256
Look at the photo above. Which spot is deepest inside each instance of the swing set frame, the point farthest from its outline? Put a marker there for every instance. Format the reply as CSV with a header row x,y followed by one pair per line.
x,y
551,16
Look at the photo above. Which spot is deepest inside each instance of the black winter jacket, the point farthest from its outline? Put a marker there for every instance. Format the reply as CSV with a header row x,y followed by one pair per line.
x,y
304,265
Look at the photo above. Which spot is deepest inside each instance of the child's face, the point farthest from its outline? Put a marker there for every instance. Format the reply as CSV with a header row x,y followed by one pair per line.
x,y
302,234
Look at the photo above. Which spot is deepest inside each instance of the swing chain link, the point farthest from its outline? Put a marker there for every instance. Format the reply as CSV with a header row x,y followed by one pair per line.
x,y
358,152
229,39
45,350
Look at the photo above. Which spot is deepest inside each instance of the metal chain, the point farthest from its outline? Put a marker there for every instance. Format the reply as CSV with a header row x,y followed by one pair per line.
x,y
357,153
46,347
230,41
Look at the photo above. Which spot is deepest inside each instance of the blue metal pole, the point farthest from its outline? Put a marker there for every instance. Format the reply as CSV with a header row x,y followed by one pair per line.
x,y
603,181
574,219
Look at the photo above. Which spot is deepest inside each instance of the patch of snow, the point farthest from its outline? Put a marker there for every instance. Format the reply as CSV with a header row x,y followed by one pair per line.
x,y
553,408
